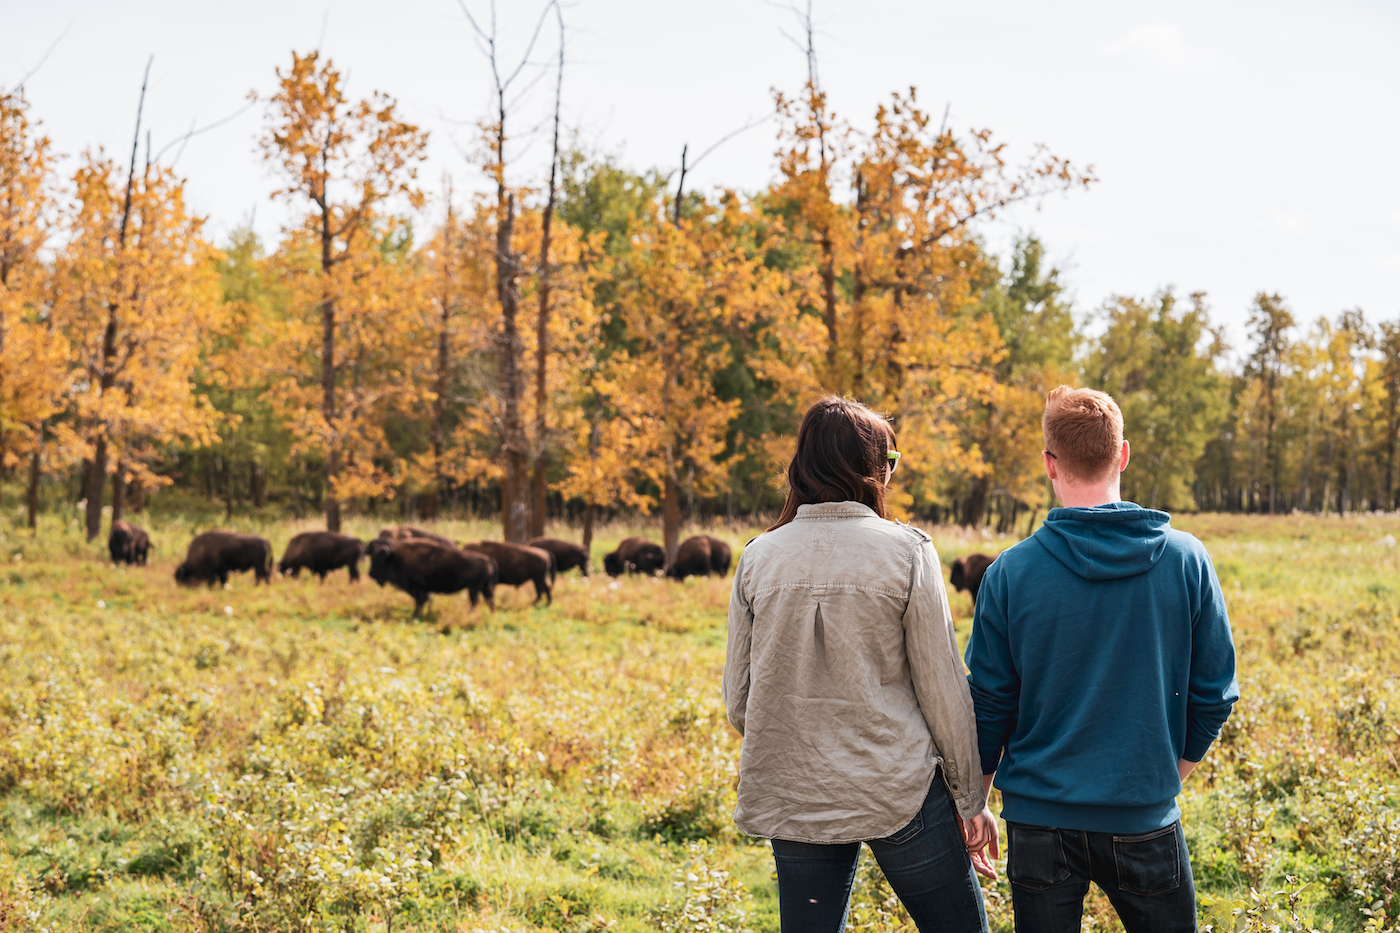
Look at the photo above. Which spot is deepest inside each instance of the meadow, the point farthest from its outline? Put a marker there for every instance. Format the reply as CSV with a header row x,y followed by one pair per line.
x,y
304,756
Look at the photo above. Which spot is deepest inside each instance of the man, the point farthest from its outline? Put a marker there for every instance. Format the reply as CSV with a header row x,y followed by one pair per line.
x,y
1102,668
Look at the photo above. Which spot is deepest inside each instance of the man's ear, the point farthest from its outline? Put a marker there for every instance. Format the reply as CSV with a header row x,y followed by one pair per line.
x,y
1127,455
1049,466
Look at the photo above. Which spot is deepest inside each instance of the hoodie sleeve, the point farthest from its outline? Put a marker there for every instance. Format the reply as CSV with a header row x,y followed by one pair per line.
x,y
1212,684
994,681
939,683
735,685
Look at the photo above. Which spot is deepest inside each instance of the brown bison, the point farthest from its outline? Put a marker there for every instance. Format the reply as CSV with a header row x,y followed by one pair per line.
x,y
968,571
321,552
128,543
396,533
216,554
421,568
635,555
567,555
700,556
519,564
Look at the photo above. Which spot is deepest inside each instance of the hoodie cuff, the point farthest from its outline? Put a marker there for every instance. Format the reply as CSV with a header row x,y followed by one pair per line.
x,y
1196,747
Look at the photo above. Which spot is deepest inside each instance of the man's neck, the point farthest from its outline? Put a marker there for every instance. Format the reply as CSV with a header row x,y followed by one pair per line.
x,y
1088,496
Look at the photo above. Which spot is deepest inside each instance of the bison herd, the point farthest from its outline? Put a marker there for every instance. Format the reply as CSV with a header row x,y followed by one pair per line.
x,y
421,563
418,562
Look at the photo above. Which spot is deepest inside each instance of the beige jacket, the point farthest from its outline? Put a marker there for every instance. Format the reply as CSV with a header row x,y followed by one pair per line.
x,y
843,676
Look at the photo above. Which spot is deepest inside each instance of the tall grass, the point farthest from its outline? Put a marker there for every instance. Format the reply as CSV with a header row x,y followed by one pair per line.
x,y
305,756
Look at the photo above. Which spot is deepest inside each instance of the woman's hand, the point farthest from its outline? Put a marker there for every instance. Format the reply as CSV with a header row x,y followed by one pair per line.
x,y
980,832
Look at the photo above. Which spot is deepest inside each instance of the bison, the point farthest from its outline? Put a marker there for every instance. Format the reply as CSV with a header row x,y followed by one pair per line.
x,y
398,533
128,543
635,555
968,571
216,554
520,564
567,555
700,556
321,552
422,567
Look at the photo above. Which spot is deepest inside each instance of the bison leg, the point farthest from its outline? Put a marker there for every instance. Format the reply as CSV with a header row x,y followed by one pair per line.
x,y
542,589
354,573
419,601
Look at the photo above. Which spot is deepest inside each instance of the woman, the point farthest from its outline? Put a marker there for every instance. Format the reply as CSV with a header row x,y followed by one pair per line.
x,y
844,678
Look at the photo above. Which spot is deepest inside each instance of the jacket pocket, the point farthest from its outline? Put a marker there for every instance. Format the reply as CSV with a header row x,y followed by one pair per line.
x,y
916,826
1149,863
1037,856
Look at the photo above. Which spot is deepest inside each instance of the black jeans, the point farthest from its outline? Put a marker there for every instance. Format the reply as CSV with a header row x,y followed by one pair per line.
x,y
1146,876
926,863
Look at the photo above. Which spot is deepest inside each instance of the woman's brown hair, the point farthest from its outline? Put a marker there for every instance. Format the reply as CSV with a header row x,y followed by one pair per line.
x,y
841,456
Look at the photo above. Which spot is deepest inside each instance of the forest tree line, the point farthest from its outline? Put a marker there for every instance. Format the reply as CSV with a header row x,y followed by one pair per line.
x,y
608,341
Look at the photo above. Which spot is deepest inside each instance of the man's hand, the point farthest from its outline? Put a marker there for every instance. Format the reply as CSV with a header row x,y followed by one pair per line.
x,y
1184,767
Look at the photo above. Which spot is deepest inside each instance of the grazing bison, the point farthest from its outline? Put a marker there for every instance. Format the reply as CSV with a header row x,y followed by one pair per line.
x,y
128,543
635,555
567,555
968,571
519,564
216,554
398,533
421,568
700,556
321,552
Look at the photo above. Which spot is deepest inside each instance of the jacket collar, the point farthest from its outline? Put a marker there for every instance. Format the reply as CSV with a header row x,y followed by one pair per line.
x,y
825,511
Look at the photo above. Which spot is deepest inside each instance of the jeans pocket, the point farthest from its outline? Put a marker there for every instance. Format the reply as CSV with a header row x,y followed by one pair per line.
x,y
916,826
1149,863
1037,856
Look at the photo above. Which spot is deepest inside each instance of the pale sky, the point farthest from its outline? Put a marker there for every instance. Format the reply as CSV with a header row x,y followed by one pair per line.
x,y
1240,146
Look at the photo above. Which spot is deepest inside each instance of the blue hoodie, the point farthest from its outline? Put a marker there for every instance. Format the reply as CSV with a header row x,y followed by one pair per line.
x,y
1100,655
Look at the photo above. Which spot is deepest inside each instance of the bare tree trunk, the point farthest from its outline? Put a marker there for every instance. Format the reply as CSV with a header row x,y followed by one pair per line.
x,y
975,506
258,484
671,512
539,482
515,485
515,506
35,467
588,513
118,493
328,375
833,336
107,377
96,483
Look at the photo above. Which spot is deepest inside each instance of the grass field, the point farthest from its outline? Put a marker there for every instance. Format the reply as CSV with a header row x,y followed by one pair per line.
x,y
305,757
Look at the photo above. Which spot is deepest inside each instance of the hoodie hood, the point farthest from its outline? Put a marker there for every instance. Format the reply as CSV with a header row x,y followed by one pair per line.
x,y
1106,542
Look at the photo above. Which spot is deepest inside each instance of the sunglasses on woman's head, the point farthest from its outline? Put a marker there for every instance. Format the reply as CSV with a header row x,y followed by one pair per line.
x,y
893,457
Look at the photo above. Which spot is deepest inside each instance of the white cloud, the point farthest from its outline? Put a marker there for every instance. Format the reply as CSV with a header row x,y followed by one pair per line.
x,y
1164,46
1289,221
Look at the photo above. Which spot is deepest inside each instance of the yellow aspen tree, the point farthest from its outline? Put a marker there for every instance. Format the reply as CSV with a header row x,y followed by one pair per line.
x,y
560,349
34,358
894,261
137,295
341,161
681,286
455,283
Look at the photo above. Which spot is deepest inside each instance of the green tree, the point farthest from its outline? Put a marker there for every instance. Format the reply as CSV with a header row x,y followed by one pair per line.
x,y
1161,361
1270,321
1036,327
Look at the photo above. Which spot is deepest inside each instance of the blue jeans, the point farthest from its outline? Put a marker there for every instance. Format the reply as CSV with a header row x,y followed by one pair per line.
x,y
1146,876
926,863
